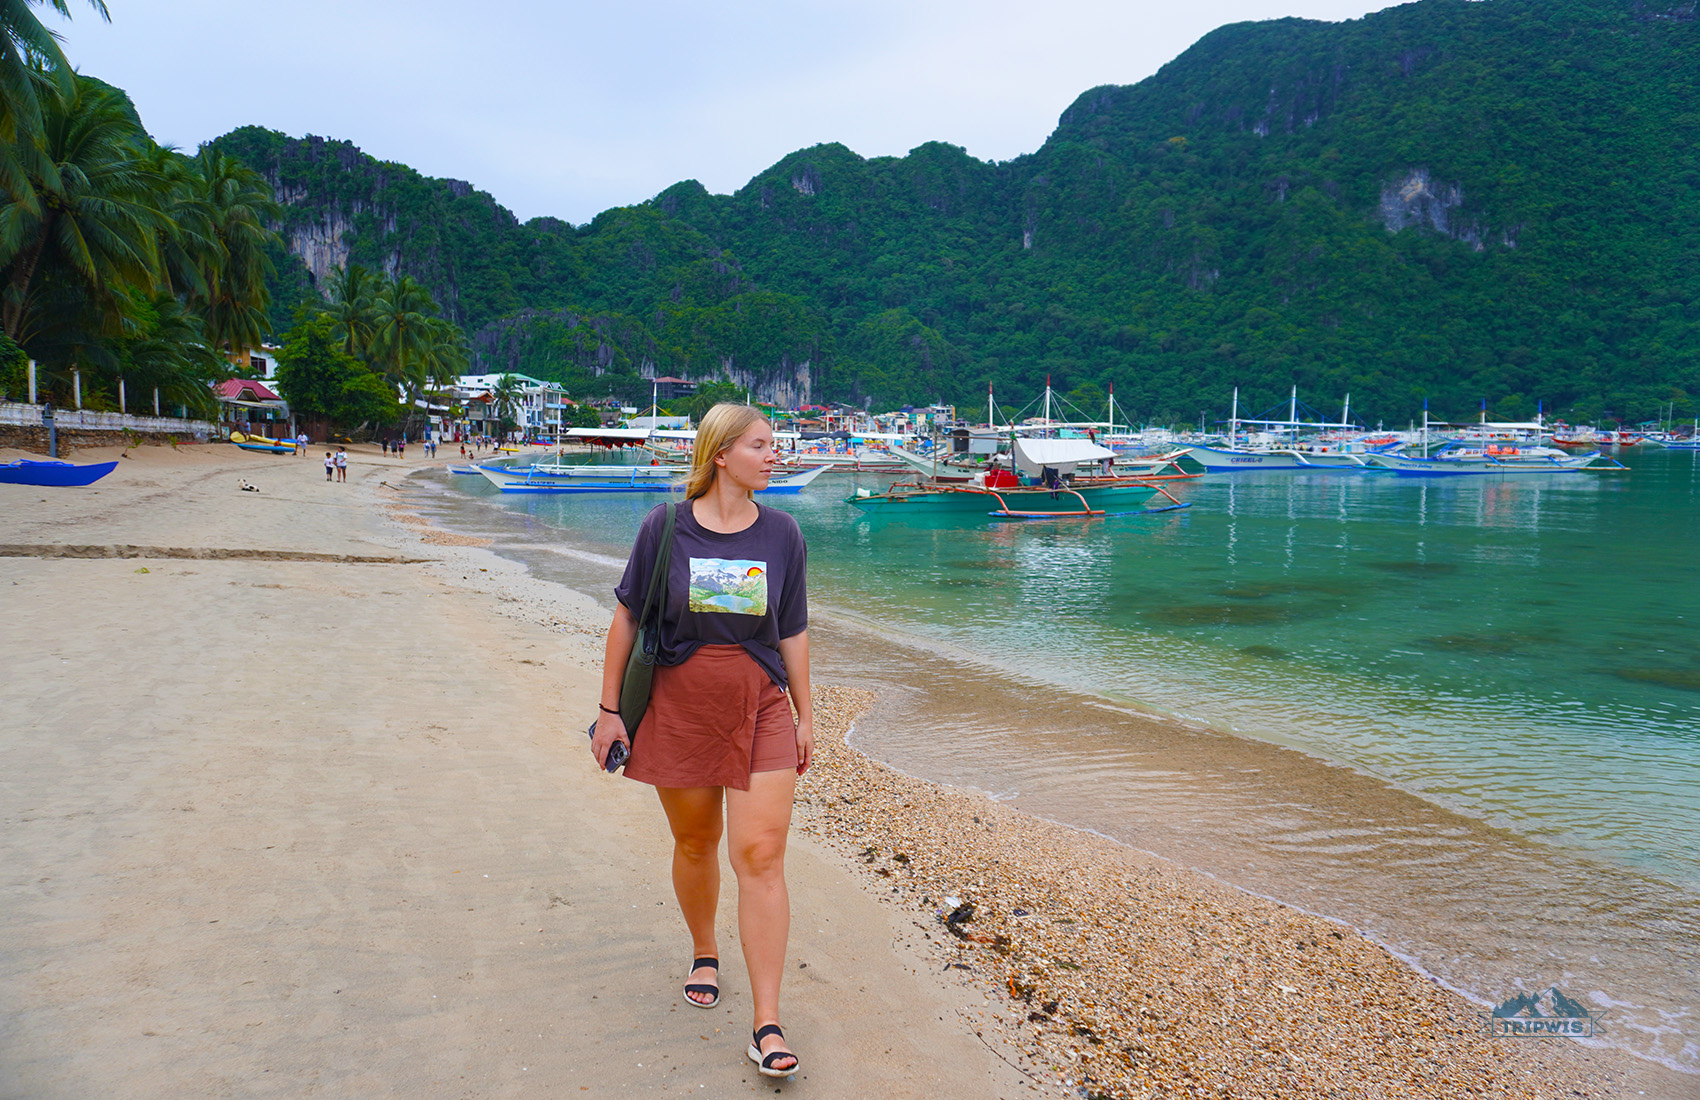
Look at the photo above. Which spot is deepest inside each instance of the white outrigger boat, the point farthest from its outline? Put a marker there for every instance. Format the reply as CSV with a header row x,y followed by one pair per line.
x,y
1489,448
1493,458
1340,452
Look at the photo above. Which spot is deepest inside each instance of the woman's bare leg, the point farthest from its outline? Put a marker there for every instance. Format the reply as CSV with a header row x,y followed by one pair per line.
x,y
694,815
758,821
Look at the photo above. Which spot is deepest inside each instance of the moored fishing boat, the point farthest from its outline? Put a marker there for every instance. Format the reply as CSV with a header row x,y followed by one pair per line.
x,y
1460,459
1028,501
1278,444
1058,492
1593,439
659,479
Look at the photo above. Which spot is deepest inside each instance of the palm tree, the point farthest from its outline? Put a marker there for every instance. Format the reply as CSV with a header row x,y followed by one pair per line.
x,y
507,393
30,60
97,225
173,357
352,290
401,332
446,354
237,203
188,247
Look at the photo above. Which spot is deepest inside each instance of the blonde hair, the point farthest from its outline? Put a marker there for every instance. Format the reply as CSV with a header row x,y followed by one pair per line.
x,y
723,426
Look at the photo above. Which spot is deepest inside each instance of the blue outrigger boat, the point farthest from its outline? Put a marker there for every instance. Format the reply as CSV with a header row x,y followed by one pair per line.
x,y
620,479
52,472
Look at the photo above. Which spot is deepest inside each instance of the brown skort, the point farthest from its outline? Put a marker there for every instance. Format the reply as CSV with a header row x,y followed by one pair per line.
x,y
712,722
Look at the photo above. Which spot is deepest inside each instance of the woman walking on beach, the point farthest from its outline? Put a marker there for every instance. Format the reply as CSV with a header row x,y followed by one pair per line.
x,y
718,741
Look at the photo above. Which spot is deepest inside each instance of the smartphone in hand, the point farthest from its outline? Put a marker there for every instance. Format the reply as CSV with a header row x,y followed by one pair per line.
x,y
617,752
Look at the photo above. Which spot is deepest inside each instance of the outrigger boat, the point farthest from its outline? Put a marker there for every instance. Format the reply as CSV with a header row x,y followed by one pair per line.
x,y
1597,438
633,479
1455,459
1333,453
1059,494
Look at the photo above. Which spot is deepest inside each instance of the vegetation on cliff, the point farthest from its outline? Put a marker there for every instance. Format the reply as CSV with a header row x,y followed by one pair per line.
x,y
1445,200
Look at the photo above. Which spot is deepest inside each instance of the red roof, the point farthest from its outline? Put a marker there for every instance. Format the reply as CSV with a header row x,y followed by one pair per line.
x,y
231,390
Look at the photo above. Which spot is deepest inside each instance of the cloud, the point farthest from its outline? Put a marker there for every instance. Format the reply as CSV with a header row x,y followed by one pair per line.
x,y
569,108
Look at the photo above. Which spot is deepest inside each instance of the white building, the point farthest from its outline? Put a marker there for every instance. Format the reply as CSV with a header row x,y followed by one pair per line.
x,y
541,407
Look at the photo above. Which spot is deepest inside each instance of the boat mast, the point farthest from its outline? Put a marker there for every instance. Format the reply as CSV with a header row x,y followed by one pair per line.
x,y
1346,413
1233,421
991,409
1425,427
1293,415
1047,401
1112,428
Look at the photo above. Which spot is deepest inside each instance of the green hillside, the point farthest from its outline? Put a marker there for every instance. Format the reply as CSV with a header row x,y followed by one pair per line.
x,y
1459,201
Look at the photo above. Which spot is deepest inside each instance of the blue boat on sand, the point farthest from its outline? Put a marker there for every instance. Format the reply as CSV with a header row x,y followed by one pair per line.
x,y
30,471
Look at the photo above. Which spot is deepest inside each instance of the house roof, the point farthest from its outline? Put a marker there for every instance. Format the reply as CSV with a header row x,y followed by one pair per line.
x,y
231,389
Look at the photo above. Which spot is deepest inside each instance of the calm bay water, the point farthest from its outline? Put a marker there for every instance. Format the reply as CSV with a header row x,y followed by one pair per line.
x,y
1507,671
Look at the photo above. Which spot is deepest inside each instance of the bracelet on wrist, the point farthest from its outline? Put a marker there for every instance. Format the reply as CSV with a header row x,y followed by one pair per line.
x,y
606,710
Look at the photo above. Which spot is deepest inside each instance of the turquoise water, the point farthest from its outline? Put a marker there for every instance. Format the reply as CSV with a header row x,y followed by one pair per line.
x,y
1520,653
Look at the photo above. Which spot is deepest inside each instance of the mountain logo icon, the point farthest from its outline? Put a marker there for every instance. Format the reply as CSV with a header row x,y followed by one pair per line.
x,y
1549,1014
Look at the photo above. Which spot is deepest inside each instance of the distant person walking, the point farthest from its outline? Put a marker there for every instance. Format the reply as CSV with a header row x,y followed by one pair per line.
x,y
330,466
341,464
718,740
301,444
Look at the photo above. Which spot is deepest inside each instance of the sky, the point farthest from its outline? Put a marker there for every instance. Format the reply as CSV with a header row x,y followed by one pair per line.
x,y
566,108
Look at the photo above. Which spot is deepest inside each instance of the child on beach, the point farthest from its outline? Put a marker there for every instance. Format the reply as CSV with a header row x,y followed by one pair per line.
x,y
341,464
718,741
330,466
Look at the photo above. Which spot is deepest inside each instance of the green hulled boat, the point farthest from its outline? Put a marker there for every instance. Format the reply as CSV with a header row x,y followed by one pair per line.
x,y
1025,501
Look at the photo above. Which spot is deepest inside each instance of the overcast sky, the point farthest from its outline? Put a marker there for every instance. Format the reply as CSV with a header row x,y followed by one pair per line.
x,y
567,108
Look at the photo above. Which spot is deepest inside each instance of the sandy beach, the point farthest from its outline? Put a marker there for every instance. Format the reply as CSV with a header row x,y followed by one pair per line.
x,y
298,803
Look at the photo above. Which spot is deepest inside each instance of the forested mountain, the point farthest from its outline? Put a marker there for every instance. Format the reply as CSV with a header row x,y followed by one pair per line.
x,y
1461,201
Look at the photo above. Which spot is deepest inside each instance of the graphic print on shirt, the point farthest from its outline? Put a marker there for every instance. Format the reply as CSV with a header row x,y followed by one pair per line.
x,y
729,586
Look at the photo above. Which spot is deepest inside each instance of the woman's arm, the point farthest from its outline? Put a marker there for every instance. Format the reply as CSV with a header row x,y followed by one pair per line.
x,y
622,635
794,651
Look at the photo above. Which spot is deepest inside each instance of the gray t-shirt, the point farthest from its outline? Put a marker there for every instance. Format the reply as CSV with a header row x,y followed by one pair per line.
x,y
749,588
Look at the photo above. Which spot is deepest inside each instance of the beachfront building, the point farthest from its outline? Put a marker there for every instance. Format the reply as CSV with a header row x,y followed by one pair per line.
x,y
245,405
538,412
669,389
262,361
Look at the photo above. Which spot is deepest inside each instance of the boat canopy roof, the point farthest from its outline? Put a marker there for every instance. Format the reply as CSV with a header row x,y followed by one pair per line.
x,y
1062,455
1497,425
674,433
608,437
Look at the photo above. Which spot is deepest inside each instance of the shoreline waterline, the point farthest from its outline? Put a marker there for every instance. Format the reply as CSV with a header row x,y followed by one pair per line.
x,y
1464,902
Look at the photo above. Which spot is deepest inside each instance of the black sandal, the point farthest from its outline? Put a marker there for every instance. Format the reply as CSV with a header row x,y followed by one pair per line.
x,y
700,987
766,1064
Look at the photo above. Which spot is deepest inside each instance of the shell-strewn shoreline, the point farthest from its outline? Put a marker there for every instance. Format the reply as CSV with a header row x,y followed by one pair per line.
x,y
1122,975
